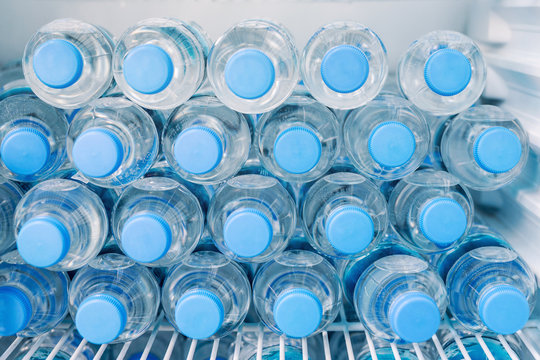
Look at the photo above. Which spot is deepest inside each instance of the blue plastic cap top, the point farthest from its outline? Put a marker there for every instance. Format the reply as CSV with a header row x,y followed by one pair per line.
x,y
15,310
298,313
443,221
138,356
43,241
198,150
148,69
25,150
247,232
414,316
391,144
101,318
497,150
297,150
97,152
344,68
58,63
146,237
503,309
249,73
447,72
349,229
199,314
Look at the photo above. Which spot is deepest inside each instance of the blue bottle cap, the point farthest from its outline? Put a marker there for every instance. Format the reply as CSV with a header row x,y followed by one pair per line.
x,y
503,309
148,69
447,72
25,150
298,313
414,316
15,310
198,150
344,68
391,144
349,229
247,232
101,318
97,152
297,150
43,241
442,221
497,150
58,63
199,314
146,237
249,73
137,356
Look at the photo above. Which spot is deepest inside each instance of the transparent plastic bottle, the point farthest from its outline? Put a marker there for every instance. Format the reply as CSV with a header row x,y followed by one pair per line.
x,y
251,218
112,142
474,349
344,65
68,63
297,294
11,194
271,347
159,63
206,296
387,139
157,221
156,352
298,141
48,342
344,214
206,142
442,72
113,299
485,146
32,138
253,66
431,210
32,301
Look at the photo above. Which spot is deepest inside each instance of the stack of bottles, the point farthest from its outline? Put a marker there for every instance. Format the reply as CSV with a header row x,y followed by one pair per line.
x,y
161,171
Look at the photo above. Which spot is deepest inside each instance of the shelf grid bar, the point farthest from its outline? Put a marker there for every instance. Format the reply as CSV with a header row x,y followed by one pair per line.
x,y
326,343
484,347
11,348
371,346
439,347
260,343
100,352
282,347
170,348
507,347
395,351
236,354
34,348
192,349
60,343
418,351
215,348
152,338
124,350
526,341
305,350
458,341
80,348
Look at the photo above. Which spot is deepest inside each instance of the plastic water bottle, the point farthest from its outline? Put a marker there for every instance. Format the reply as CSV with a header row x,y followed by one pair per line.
x,y
387,139
253,66
68,63
112,142
113,299
159,63
206,142
475,350
49,341
60,225
157,350
431,210
442,72
299,140
251,218
297,294
486,147
157,221
206,296
32,301
344,214
248,348
11,194
344,65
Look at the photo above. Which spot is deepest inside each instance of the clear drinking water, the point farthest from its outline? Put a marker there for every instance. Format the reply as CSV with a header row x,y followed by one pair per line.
x,y
297,294
387,139
251,218
112,142
206,296
271,347
32,301
68,63
11,194
344,65
113,299
48,342
157,221
205,141
299,140
159,63
485,146
442,72
253,66
60,224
